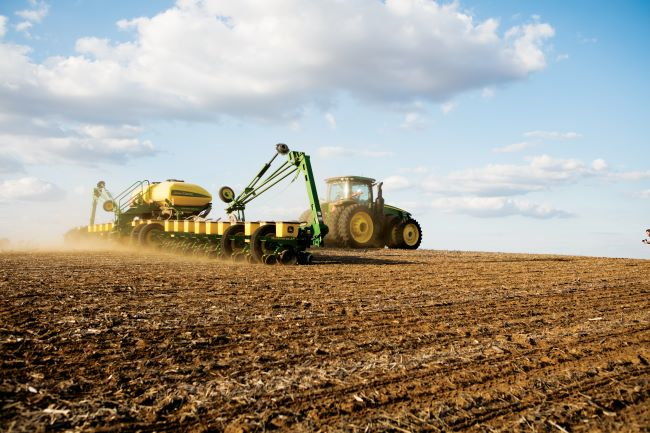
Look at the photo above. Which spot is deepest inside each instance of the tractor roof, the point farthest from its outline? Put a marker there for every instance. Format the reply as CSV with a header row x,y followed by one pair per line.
x,y
352,178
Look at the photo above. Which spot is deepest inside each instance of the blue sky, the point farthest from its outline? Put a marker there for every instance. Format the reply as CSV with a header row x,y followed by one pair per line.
x,y
502,125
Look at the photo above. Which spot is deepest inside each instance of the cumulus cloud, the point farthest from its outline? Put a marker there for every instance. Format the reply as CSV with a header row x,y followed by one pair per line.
x,y
492,207
413,121
395,183
265,60
540,173
331,120
552,135
36,14
488,92
339,151
28,189
535,138
36,141
448,107
514,147
3,26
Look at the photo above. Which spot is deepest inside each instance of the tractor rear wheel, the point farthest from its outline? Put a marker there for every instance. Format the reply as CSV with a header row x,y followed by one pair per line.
x,y
229,247
261,247
331,220
356,227
409,234
151,235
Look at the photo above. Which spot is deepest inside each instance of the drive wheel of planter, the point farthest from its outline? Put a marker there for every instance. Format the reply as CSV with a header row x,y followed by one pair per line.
x,y
134,237
356,227
233,247
151,235
261,244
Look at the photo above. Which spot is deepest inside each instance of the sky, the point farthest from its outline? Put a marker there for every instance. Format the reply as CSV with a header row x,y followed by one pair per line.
x,y
501,125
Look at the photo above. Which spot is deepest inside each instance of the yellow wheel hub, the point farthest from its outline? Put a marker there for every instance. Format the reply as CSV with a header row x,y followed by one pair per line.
x,y
361,227
411,234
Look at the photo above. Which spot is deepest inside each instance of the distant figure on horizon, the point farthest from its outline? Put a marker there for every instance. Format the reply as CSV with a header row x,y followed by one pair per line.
x,y
647,241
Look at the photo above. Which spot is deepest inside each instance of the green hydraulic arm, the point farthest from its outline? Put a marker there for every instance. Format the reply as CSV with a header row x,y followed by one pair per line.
x,y
296,164
100,192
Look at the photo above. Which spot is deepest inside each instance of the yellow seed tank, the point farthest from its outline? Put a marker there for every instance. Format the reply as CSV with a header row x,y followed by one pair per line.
x,y
176,193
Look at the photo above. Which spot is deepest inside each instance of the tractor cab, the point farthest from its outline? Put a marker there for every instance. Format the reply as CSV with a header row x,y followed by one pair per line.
x,y
344,189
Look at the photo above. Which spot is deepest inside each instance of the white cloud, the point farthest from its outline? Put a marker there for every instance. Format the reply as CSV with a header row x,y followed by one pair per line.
x,y
488,92
448,107
514,147
36,141
540,173
23,26
508,179
644,193
9,164
527,42
28,189
36,14
492,207
561,57
586,39
552,135
413,121
331,120
420,169
264,61
395,183
269,60
599,165
3,26
629,175
339,151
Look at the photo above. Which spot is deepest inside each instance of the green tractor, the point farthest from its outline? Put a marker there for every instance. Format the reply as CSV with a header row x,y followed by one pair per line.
x,y
358,220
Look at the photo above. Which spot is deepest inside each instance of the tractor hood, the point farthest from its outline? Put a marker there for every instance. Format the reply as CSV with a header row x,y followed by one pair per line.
x,y
393,210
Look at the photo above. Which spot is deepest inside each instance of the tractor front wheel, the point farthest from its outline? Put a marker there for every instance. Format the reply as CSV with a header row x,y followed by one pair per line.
x,y
409,234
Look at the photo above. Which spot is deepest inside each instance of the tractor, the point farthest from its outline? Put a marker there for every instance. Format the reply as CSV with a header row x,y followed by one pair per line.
x,y
358,220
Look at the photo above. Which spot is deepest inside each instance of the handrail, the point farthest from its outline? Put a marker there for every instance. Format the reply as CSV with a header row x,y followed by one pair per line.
x,y
122,205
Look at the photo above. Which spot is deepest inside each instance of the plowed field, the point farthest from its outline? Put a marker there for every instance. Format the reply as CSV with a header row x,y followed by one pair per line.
x,y
360,341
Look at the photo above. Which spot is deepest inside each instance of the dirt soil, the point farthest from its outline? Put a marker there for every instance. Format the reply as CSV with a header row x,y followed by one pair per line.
x,y
361,341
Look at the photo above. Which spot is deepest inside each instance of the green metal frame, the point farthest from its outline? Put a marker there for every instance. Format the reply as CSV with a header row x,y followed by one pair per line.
x,y
297,163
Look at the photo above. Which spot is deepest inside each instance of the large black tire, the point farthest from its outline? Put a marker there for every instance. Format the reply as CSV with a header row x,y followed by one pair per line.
x,y
151,235
331,220
409,234
390,234
261,247
356,228
134,237
230,247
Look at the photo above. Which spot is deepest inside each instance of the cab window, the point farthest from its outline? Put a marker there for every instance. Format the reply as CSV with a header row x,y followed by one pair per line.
x,y
335,192
360,192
